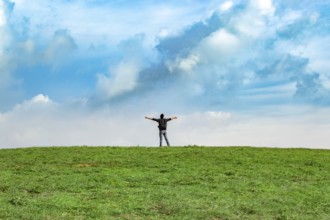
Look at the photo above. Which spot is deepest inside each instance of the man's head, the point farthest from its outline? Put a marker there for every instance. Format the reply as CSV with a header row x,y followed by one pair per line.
x,y
162,116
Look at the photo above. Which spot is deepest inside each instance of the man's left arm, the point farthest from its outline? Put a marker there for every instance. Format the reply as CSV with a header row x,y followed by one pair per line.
x,y
169,119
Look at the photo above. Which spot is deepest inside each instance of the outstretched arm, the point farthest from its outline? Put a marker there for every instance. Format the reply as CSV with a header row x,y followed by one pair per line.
x,y
174,118
148,118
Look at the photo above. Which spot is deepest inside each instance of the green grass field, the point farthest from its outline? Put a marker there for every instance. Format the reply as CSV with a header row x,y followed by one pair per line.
x,y
164,183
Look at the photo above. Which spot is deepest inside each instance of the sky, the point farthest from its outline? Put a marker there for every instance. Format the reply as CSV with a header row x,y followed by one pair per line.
x,y
234,72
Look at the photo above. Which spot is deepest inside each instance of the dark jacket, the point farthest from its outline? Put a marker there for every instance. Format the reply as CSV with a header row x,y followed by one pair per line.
x,y
162,123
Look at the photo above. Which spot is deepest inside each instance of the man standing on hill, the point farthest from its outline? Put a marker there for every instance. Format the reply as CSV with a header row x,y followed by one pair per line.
x,y
162,124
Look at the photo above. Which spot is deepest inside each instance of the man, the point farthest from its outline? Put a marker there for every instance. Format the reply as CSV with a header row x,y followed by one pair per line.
x,y
162,124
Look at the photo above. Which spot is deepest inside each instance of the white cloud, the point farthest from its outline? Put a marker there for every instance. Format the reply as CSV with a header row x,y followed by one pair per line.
x,y
256,21
40,99
5,8
122,79
184,64
219,46
37,103
61,45
317,51
274,92
294,128
206,120
41,122
163,33
265,7
107,22
226,6
56,125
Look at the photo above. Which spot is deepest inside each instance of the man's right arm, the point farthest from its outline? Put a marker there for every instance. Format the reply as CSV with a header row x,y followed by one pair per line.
x,y
153,119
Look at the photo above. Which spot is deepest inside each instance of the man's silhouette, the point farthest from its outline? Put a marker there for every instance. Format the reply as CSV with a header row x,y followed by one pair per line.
x,y
162,124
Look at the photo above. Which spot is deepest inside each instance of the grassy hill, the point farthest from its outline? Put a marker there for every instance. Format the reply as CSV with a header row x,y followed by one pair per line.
x,y
164,183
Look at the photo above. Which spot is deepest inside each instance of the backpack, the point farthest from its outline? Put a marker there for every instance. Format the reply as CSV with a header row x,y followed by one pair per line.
x,y
162,124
